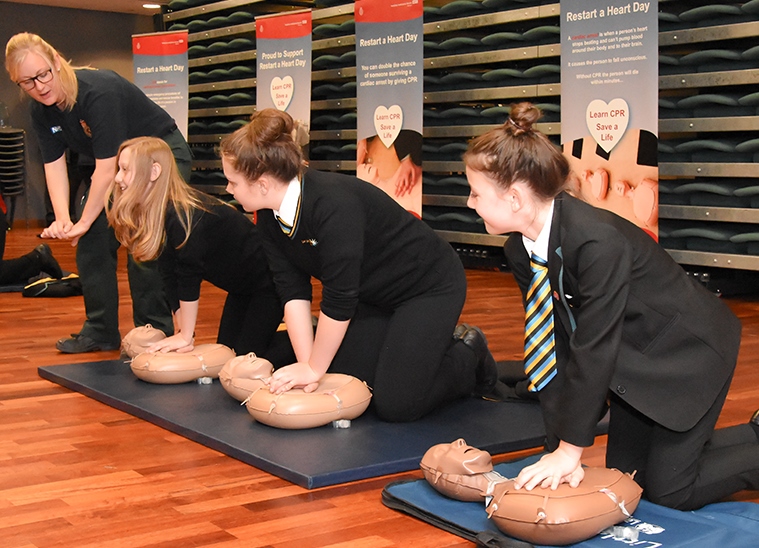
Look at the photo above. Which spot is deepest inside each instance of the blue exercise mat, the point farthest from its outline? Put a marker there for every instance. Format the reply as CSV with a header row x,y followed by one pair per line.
x,y
721,525
12,288
310,458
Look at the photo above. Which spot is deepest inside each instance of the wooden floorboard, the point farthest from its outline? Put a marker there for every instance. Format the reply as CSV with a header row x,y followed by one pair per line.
x,y
77,473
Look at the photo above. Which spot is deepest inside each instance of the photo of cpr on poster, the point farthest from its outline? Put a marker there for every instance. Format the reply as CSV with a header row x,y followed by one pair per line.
x,y
609,106
283,71
389,64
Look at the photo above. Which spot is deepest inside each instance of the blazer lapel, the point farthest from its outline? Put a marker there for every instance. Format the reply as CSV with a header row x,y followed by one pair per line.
x,y
518,262
556,271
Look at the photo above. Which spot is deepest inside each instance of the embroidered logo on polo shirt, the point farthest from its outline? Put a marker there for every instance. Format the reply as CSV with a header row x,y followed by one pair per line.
x,y
311,241
56,129
85,128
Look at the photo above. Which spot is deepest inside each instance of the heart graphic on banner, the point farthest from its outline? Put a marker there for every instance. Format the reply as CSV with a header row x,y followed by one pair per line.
x,y
388,123
607,122
282,92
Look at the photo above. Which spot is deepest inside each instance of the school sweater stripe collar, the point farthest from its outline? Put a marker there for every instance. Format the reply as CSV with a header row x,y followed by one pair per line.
x,y
289,211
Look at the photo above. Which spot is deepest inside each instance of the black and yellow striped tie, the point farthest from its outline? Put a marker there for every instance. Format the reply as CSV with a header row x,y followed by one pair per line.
x,y
286,228
539,345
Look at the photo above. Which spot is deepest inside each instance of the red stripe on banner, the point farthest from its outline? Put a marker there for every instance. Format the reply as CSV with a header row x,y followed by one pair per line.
x,y
281,26
387,11
164,43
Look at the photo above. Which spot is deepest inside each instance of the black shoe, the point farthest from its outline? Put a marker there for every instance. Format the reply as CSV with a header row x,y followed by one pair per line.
x,y
460,330
48,262
79,344
754,422
486,374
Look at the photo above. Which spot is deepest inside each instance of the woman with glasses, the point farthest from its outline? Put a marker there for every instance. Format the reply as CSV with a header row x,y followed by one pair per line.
x,y
92,112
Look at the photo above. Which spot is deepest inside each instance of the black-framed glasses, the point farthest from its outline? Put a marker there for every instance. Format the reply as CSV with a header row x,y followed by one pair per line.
x,y
42,78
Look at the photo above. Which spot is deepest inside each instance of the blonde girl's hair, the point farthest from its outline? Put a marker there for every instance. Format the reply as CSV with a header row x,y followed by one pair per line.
x,y
138,214
265,146
23,43
516,151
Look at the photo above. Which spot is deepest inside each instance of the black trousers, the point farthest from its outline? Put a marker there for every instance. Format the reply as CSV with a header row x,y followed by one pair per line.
x,y
407,355
96,258
683,470
249,324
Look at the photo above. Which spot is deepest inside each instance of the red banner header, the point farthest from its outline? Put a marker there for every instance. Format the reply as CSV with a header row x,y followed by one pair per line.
x,y
163,43
387,11
285,25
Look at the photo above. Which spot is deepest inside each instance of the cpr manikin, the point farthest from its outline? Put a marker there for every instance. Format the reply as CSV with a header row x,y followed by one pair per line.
x,y
542,516
338,397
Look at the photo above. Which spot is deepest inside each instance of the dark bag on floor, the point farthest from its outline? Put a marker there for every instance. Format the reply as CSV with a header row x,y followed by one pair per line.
x,y
68,286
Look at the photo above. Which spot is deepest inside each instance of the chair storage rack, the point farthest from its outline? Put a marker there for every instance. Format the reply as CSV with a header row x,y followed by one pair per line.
x,y
481,56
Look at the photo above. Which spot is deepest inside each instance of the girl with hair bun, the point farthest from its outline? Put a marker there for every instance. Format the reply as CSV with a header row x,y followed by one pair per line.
x,y
392,289
194,237
613,322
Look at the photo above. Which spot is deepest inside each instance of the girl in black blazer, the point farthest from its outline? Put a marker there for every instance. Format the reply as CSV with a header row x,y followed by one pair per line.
x,y
392,290
632,332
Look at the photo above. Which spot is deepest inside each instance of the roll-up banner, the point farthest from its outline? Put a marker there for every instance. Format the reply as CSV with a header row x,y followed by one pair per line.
x,y
609,105
283,73
160,71
389,65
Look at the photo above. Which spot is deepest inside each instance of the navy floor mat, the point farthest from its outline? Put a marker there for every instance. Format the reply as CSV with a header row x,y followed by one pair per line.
x,y
12,288
310,458
721,525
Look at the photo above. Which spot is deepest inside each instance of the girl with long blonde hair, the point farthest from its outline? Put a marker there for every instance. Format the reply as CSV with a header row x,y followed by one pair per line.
x,y
193,237
137,211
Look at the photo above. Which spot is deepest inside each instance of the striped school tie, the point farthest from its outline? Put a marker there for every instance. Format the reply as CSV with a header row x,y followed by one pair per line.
x,y
539,345
286,228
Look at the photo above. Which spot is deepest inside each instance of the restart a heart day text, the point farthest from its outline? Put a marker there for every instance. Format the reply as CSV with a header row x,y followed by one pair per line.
x,y
634,7
282,59
398,39
160,68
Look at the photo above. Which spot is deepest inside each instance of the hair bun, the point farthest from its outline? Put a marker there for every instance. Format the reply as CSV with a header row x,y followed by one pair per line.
x,y
269,125
523,116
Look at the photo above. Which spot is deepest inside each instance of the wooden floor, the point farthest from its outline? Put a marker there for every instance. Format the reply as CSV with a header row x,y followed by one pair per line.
x,y
75,472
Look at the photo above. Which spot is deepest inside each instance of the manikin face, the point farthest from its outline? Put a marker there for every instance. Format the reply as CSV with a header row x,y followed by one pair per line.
x,y
31,71
248,193
458,458
125,175
492,203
